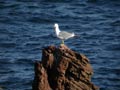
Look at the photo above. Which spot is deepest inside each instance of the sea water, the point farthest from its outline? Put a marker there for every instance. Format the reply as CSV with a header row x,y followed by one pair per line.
x,y
26,26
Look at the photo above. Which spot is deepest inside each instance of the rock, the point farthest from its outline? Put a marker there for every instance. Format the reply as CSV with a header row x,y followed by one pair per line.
x,y
1,88
41,78
63,69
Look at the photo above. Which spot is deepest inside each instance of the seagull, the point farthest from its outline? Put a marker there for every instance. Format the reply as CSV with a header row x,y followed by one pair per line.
x,y
63,35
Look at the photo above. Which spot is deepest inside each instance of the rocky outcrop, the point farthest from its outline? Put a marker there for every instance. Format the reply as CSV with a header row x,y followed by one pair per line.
x,y
63,69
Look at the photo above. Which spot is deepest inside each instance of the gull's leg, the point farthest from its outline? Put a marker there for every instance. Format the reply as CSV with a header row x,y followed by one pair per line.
x,y
62,41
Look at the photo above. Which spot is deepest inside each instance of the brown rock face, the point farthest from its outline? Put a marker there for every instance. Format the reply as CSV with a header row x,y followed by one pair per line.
x,y
62,69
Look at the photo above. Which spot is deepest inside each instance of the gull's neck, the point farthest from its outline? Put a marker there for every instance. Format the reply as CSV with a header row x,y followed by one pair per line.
x,y
57,30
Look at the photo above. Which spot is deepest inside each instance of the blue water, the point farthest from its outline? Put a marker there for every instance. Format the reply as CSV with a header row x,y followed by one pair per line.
x,y
26,26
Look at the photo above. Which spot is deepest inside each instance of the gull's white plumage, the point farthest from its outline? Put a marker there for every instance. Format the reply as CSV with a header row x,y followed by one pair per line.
x,y
63,35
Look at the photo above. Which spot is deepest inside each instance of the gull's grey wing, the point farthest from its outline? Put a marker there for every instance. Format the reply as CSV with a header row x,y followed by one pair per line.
x,y
65,35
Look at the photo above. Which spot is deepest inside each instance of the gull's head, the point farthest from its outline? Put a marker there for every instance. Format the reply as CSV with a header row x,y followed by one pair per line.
x,y
56,25
57,30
